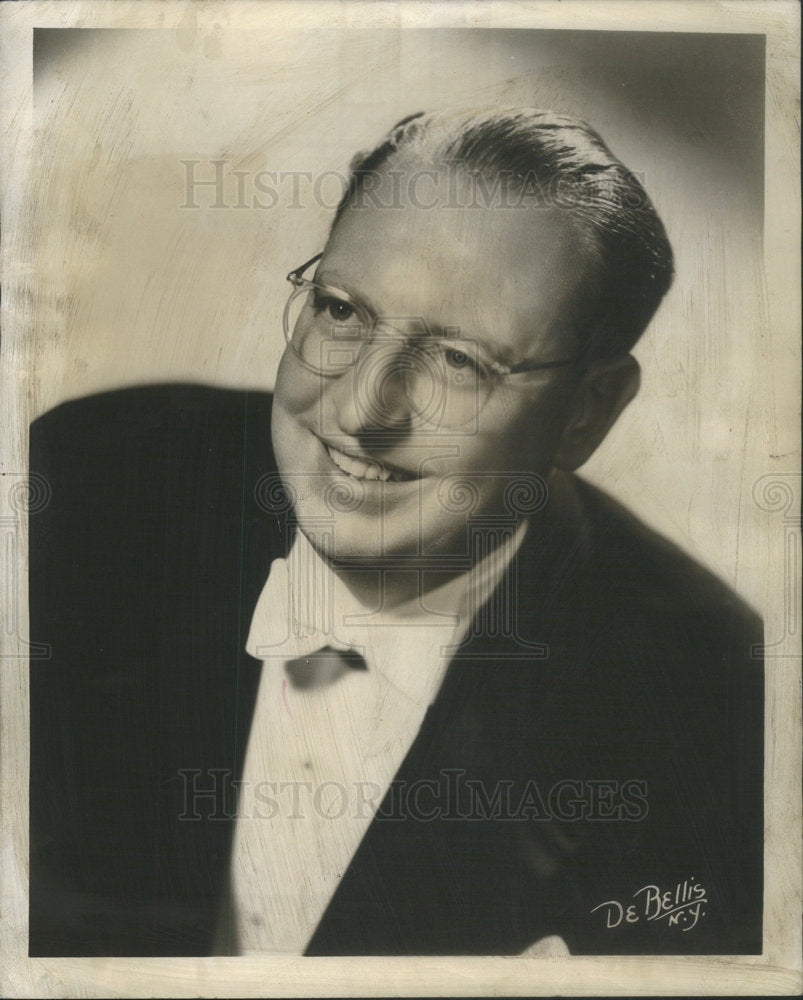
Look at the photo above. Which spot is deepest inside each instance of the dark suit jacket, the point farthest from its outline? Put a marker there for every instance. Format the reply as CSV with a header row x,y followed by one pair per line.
x,y
629,665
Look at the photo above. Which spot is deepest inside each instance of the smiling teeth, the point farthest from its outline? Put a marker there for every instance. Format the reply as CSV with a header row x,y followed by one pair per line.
x,y
359,468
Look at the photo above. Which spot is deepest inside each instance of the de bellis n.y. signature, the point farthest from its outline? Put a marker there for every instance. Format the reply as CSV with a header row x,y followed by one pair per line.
x,y
682,906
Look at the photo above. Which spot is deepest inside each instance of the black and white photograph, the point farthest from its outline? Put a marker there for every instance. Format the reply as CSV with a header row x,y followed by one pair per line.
x,y
401,499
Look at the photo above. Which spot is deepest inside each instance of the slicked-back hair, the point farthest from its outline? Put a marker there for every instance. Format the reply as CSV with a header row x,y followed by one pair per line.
x,y
562,163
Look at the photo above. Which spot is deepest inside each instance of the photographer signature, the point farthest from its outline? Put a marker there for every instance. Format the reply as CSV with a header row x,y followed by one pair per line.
x,y
682,906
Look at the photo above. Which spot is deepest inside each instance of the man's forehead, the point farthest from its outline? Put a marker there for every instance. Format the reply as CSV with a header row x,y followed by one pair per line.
x,y
464,264
440,227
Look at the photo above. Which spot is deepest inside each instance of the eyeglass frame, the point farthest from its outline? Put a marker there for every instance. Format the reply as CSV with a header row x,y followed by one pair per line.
x,y
296,279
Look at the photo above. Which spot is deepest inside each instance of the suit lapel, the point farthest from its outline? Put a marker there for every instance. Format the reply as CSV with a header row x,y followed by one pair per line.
x,y
446,867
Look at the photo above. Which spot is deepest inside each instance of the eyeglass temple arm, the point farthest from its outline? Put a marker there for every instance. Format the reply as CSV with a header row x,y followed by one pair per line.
x,y
528,367
295,275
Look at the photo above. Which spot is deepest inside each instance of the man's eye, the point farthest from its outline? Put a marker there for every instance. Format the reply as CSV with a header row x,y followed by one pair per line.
x,y
461,361
335,309
340,312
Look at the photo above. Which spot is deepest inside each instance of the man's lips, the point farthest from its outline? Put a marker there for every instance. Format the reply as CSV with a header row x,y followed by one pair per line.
x,y
366,468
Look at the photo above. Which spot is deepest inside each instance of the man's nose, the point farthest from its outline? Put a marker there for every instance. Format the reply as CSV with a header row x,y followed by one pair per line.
x,y
371,397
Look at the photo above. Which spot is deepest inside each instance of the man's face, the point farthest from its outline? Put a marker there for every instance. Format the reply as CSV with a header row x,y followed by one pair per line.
x,y
506,279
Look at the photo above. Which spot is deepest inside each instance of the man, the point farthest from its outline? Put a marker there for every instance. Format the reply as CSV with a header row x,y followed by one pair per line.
x,y
365,669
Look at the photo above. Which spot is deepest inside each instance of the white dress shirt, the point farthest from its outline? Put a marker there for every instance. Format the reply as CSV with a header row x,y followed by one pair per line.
x,y
321,757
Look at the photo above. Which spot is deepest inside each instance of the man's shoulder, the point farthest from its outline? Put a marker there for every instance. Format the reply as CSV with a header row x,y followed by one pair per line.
x,y
120,437
142,408
643,571
130,473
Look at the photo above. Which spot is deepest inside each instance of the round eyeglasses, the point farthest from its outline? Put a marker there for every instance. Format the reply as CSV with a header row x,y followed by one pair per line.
x,y
446,380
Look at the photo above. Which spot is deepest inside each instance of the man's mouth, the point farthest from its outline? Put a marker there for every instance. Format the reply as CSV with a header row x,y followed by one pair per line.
x,y
361,468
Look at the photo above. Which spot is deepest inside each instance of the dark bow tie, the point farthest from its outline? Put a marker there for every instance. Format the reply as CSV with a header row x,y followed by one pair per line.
x,y
323,667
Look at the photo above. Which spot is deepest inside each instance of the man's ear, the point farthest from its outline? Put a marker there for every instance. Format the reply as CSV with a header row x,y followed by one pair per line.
x,y
604,391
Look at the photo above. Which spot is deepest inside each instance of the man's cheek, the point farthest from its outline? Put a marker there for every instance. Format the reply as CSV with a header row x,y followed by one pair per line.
x,y
297,398
296,388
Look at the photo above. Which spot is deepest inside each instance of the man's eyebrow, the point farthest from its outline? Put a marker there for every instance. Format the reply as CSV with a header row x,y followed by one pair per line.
x,y
331,278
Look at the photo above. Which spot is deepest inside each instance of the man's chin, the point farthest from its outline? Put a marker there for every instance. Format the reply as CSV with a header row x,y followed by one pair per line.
x,y
352,552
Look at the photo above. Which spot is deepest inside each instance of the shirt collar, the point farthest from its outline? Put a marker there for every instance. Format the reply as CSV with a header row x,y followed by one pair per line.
x,y
304,605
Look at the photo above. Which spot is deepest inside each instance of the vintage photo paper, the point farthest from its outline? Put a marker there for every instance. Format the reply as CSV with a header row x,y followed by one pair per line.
x,y
401,499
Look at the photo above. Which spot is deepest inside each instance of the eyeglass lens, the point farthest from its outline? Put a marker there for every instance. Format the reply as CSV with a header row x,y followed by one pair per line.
x,y
443,382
